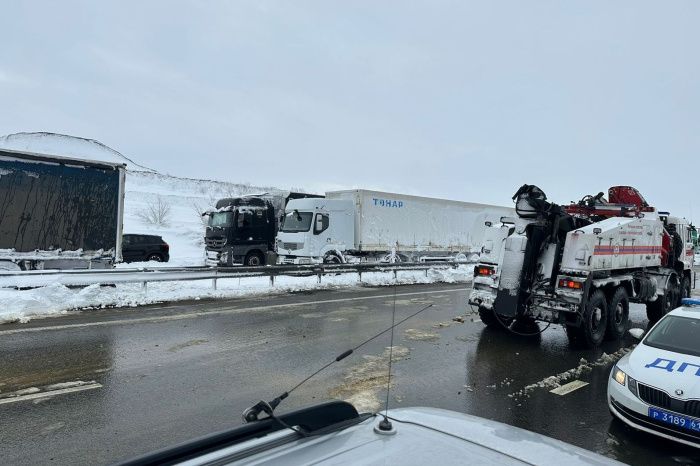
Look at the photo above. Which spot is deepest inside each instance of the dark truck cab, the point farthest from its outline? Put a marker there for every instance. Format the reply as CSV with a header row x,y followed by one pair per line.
x,y
242,230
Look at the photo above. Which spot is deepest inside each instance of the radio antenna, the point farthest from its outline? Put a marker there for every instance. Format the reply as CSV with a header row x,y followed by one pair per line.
x,y
385,424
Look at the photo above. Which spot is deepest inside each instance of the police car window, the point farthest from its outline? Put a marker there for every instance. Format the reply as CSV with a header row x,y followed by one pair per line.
x,y
677,334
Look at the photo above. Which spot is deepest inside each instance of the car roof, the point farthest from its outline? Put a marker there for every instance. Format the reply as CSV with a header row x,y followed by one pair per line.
x,y
690,308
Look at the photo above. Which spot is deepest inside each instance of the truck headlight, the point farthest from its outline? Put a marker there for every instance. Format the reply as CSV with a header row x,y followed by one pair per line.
x,y
619,376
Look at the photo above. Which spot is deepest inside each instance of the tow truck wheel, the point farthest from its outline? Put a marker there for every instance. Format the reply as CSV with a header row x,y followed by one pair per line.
x,y
618,314
595,321
655,309
489,317
685,288
664,303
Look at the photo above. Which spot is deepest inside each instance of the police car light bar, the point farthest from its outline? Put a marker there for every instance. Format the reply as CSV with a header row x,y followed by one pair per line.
x,y
690,302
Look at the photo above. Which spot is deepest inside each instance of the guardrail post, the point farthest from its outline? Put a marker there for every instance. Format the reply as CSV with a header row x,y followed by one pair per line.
x,y
360,275
144,287
395,274
272,280
319,277
213,283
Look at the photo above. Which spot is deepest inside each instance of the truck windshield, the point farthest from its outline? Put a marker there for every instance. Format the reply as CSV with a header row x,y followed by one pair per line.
x,y
677,334
221,219
296,222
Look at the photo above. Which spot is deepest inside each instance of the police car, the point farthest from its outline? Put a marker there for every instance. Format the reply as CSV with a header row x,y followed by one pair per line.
x,y
656,387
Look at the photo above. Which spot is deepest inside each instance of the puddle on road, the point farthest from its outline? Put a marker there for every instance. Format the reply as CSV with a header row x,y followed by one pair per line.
x,y
187,344
363,381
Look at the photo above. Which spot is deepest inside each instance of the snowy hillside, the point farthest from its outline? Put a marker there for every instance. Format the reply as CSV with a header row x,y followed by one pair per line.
x,y
185,198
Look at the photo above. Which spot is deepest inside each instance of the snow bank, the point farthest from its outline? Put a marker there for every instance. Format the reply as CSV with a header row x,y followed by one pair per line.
x,y
56,299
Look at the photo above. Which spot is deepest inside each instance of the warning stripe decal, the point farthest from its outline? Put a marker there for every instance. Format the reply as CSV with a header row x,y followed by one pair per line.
x,y
625,250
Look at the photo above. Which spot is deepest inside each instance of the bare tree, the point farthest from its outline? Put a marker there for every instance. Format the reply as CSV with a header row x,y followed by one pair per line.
x,y
156,213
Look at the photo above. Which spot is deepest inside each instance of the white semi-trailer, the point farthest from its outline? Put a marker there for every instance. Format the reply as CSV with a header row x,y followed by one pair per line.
x,y
356,225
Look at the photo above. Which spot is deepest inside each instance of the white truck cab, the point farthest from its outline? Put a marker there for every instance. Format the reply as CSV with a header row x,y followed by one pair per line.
x,y
315,231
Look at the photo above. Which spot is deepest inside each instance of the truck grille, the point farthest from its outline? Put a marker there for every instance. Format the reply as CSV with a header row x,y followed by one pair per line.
x,y
215,243
659,398
291,246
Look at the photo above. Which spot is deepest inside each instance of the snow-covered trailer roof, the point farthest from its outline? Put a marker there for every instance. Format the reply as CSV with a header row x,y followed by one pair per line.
x,y
47,158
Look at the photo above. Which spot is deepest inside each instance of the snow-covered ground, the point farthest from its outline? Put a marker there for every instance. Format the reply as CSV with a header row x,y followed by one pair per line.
x,y
56,299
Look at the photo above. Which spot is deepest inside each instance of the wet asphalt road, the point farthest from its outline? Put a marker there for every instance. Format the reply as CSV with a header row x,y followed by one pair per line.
x,y
171,372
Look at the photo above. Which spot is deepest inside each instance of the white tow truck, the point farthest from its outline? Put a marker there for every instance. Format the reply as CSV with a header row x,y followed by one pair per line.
x,y
582,265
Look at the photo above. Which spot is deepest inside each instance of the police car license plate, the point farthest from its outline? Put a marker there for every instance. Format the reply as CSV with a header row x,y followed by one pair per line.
x,y
677,420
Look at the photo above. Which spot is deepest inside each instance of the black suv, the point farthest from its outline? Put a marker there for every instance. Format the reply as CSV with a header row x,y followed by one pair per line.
x,y
137,248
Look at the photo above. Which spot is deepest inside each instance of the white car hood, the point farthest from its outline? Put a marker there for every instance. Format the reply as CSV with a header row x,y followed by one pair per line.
x,y
431,436
665,370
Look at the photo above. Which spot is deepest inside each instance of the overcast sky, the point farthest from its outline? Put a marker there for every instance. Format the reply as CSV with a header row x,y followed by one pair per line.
x,y
463,100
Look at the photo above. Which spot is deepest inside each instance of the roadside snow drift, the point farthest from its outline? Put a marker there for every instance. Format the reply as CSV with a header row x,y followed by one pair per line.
x,y
56,299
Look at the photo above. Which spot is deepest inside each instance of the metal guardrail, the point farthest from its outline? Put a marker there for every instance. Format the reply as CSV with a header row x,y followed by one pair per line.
x,y
39,278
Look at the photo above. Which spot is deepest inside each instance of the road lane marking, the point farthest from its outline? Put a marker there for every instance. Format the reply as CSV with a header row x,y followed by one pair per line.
x,y
569,387
63,391
224,311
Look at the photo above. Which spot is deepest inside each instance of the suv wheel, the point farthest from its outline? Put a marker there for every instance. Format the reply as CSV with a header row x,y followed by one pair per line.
x,y
154,258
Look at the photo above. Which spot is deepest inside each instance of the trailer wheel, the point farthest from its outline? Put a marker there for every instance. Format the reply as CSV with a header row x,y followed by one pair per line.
x,y
618,314
595,321
254,259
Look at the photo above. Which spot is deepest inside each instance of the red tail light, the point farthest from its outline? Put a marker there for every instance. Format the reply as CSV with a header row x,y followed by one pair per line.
x,y
483,271
166,246
566,283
